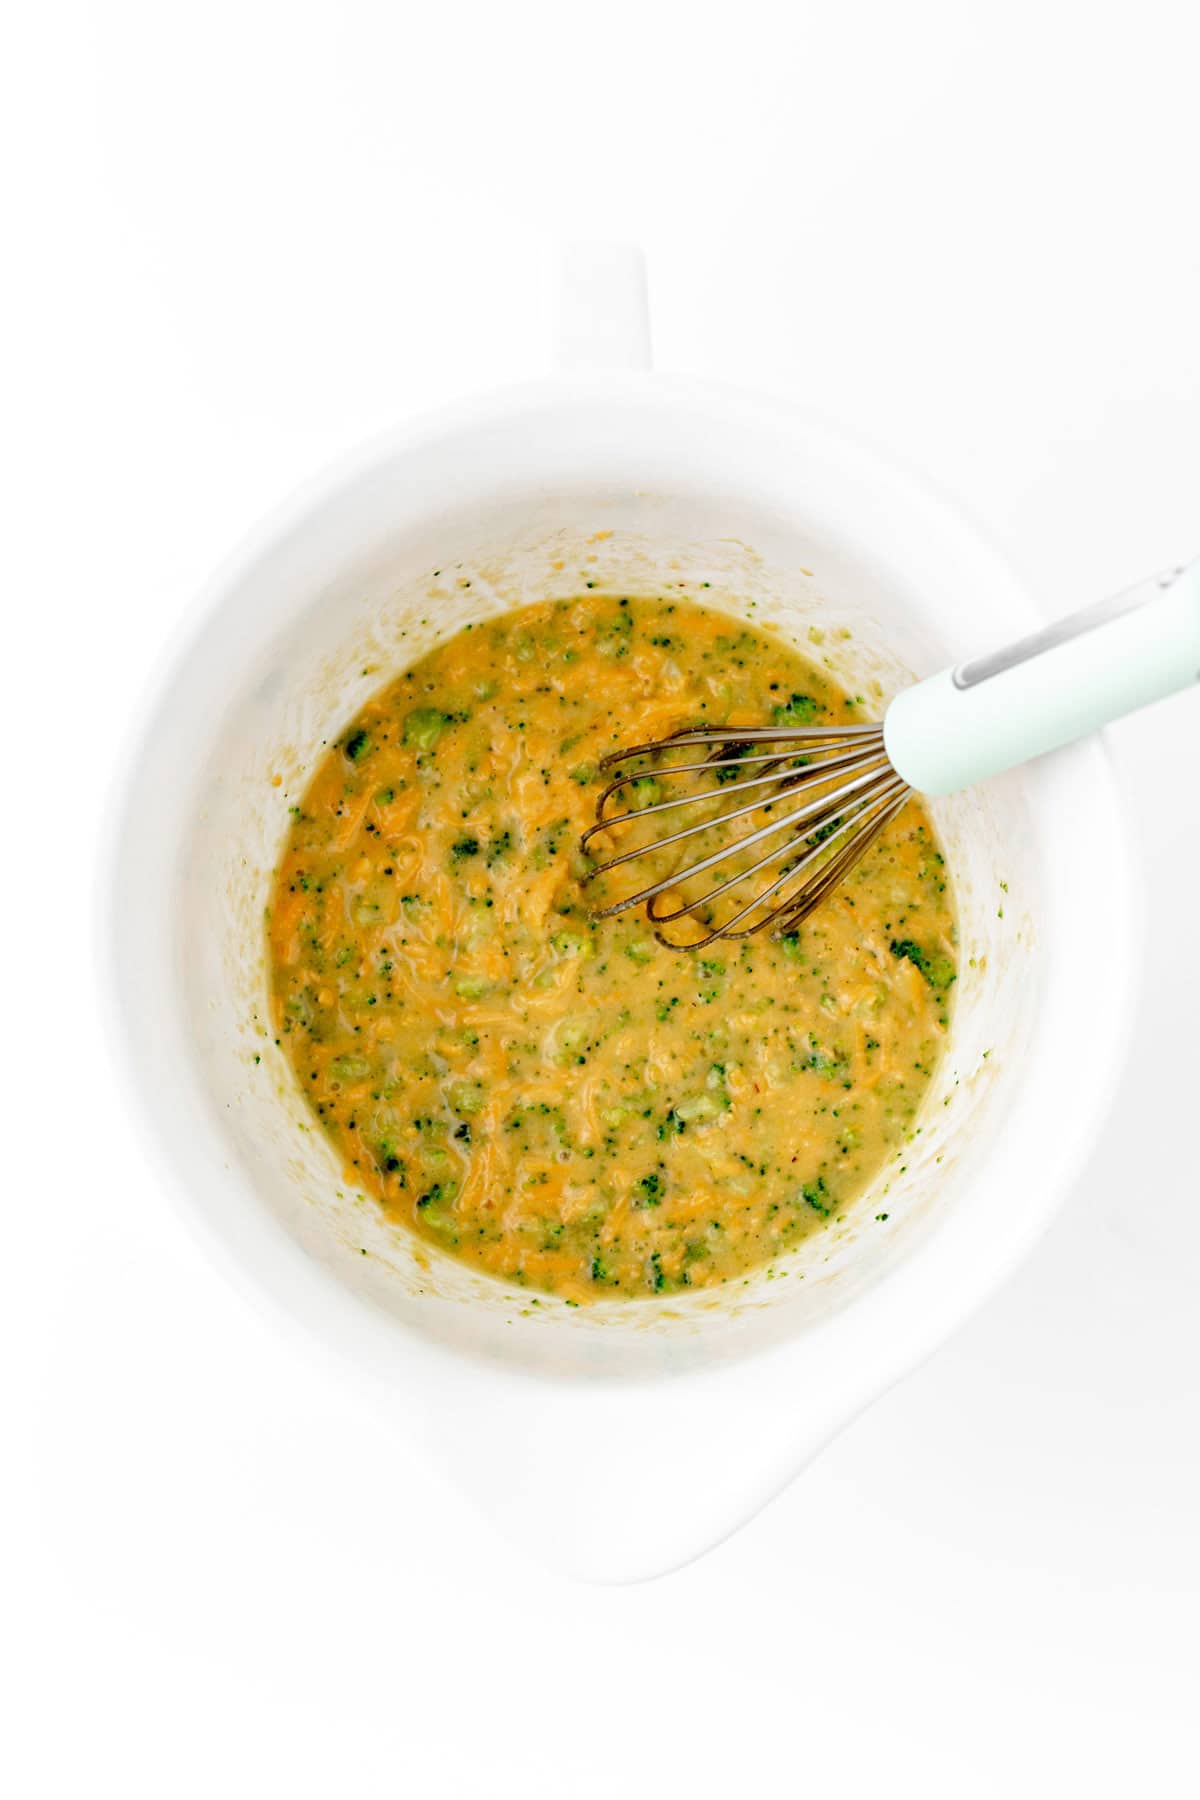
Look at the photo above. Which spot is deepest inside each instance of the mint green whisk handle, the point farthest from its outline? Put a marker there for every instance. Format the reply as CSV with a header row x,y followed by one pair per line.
x,y
989,714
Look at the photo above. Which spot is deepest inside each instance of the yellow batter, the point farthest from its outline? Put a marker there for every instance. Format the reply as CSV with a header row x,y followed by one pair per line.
x,y
565,1103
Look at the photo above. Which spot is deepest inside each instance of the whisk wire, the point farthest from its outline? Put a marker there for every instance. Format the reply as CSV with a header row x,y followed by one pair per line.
x,y
866,803
839,866
855,794
815,812
812,736
846,764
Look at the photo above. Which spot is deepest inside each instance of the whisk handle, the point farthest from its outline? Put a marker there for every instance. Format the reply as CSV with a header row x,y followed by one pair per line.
x,y
1047,690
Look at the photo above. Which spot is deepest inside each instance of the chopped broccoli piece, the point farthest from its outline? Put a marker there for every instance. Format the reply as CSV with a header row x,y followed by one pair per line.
x,y
801,709
939,971
569,943
726,769
649,1190
699,1109
816,1194
349,1068
672,1125
424,726
645,791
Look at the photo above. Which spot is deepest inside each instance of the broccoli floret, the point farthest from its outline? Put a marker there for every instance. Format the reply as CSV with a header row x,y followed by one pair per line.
x,y
939,971
649,1190
424,726
726,769
801,709
816,1195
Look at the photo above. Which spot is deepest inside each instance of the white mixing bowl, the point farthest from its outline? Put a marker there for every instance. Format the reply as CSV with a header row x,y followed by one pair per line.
x,y
621,1439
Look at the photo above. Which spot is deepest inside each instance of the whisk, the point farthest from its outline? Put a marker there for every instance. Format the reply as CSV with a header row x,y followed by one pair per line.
x,y
793,807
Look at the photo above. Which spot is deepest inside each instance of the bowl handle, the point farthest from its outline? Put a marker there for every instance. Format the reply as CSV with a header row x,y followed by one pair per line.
x,y
603,313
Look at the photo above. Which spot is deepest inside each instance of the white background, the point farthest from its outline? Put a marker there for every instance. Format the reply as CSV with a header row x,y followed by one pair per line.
x,y
242,236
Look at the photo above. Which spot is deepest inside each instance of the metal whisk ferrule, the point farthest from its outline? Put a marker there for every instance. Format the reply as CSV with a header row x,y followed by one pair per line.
x,y
825,791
